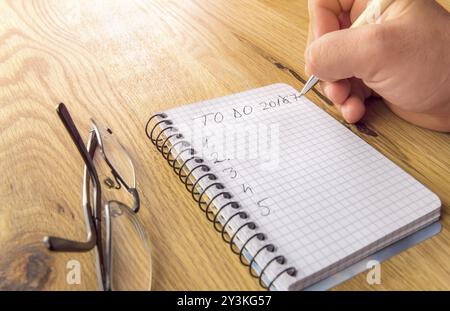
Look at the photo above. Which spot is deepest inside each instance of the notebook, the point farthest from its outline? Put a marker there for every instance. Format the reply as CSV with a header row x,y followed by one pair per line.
x,y
296,194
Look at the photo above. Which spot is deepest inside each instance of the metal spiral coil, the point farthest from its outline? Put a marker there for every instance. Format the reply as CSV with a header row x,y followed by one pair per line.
x,y
185,174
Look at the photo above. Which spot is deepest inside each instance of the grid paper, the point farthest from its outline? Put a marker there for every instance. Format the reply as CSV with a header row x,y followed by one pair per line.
x,y
332,199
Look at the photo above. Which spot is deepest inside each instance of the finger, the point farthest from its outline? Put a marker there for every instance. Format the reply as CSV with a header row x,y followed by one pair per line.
x,y
358,7
364,89
347,53
324,16
337,92
331,15
354,108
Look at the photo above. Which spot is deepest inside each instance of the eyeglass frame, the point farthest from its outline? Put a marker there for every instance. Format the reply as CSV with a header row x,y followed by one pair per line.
x,y
92,216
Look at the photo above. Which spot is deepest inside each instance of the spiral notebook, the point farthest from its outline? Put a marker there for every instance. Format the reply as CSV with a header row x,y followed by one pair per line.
x,y
296,194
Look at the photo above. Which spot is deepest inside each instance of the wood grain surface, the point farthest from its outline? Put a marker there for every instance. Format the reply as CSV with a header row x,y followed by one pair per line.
x,y
120,61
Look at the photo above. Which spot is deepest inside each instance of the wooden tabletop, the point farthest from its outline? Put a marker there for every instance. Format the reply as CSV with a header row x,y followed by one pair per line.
x,y
120,61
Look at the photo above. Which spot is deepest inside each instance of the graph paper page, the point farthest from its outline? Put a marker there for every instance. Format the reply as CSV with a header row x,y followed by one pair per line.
x,y
324,196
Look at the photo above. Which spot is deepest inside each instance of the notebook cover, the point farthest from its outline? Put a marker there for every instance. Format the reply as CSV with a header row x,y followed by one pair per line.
x,y
380,257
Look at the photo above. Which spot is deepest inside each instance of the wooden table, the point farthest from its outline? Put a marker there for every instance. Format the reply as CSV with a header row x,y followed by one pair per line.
x,y
120,61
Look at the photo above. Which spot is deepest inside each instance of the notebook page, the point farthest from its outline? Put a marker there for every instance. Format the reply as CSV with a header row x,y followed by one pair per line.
x,y
321,194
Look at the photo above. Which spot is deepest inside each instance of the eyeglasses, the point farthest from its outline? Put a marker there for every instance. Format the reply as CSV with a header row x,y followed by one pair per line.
x,y
123,258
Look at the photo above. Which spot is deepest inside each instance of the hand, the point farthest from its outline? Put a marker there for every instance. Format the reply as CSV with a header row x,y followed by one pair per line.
x,y
405,59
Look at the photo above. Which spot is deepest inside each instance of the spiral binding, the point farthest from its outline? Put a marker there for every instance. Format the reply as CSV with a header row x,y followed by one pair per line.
x,y
172,133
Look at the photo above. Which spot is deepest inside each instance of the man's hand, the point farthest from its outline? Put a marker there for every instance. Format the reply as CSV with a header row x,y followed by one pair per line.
x,y
405,59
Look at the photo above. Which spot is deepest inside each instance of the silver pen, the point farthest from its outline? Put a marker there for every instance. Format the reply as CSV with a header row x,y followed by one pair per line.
x,y
309,85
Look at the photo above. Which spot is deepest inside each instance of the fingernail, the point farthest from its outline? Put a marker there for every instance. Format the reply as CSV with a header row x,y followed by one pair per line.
x,y
346,113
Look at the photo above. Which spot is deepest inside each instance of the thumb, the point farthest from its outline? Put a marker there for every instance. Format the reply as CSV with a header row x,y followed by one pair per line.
x,y
347,53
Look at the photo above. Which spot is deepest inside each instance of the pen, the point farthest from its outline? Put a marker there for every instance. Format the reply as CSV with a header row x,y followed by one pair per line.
x,y
371,13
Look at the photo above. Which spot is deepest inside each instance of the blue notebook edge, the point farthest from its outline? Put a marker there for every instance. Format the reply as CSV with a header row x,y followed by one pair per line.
x,y
380,256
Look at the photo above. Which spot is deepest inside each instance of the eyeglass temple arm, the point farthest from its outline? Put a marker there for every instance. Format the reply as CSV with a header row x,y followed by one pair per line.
x,y
64,245
61,244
